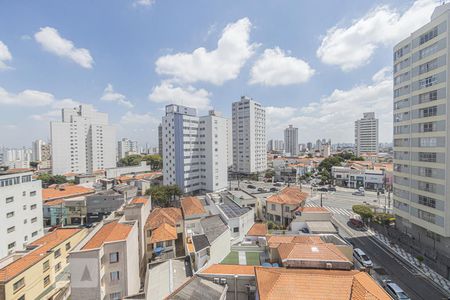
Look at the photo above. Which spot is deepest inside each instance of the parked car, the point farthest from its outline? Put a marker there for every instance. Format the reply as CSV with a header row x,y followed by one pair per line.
x,y
362,258
356,220
262,190
277,184
394,290
250,186
322,189
331,189
361,189
273,189
358,193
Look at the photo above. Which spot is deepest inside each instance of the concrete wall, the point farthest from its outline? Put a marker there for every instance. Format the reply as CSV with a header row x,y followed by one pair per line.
x,y
220,248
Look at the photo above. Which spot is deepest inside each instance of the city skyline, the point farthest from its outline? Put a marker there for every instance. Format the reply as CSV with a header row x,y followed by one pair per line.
x,y
312,83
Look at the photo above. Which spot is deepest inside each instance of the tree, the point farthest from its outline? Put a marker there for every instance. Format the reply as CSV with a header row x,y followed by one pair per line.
x,y
154,160
329,162
48,179
131,160
269,174
364,211
163,194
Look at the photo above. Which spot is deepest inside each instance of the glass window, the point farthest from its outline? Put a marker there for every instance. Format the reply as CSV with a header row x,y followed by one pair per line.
x,y
46,265
58,267
9,199
10,214
67,246
11,229
46,280
428,36
57,253
19,284
115,296
114,276
113,257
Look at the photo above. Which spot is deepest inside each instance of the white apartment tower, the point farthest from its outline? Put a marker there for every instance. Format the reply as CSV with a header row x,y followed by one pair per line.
x,y
21,207
421,132
36,150
82,142
126,147
249,136
195,149
291,141
366,134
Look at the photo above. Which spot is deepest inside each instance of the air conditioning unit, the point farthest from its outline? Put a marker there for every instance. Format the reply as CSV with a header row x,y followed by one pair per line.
x,y
223,281
216,280
329,265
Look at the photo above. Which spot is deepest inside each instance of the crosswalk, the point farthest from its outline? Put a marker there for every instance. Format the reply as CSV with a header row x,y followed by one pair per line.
x,y
334,210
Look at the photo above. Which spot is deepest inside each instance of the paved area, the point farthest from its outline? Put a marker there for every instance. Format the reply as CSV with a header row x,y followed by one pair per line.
x,y
242,258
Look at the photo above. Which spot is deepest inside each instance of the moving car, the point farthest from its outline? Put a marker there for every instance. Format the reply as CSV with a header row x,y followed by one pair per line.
x,y
250,186
331,189
394,290
273,189
356,220
358,193
277,184
322,189
362,258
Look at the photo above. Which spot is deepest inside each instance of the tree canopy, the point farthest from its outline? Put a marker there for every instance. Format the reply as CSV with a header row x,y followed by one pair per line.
x,y
163,194
364,211
48,179
154,160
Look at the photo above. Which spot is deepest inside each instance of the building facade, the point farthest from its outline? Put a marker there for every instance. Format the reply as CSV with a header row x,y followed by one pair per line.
x,y
126,147
291,141
421,152
21,205
249,136
366,134
82,142
195,150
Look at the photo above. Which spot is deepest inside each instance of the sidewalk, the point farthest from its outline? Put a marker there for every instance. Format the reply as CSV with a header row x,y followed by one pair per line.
x,y
421,267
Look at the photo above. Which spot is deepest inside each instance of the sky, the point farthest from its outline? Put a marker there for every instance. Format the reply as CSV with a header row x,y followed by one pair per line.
x,y
317,65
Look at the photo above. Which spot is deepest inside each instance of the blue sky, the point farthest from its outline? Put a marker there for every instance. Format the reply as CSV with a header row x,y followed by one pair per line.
x,y
315,64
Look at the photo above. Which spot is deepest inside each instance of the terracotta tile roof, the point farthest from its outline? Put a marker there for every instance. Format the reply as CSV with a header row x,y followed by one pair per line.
x,y
158,216
165,232
230,270
110,232
275,240
45,244
258,229
56,202
64,191
16,171
281,283
70,174
312,209
138,200
307,252
289,195
192,206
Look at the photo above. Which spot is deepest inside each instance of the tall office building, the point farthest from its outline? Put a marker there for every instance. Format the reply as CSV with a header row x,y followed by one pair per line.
x,y
194,150
249,136
21,203
126,147
275,145
291,141
36,150
160,140
421,151
366,134
82,142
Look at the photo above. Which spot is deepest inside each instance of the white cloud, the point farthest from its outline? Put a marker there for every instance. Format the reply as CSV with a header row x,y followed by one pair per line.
x,y
55,112
217,66
274,68
138,119
27,98
5,56
353,46
52,42
167,93
110,95
334,115
143,2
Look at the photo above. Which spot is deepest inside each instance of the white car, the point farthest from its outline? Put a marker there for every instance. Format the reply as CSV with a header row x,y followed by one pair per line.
x,y
362,258
394,290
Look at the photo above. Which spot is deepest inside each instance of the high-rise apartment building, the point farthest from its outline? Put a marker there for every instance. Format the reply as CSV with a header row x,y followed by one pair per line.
x,y
160,141
291,141
21,206
194,149
126,147
82,142
275,145
36,150
249,136
421,118
366,134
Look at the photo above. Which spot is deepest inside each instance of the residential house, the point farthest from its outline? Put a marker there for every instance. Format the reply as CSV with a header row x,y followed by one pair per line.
x,y
105,263
40,272
164,234
280,208
197,288
313,220
281,283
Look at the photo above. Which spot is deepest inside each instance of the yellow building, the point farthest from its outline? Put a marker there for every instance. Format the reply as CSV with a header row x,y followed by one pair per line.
x,y
39,273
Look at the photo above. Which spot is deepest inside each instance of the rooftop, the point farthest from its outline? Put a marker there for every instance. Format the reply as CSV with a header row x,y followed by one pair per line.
x,y
109,232
170,275
192,206
291,195
158,216
275,240
165,232
198,288
311,252
6,171
213,227
229,270
44,246
139,200
200,242
64,191
281,283
231,209
258,229
307,209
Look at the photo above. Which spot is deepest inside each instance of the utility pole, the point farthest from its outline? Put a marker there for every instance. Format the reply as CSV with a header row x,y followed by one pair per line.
x,y
321,204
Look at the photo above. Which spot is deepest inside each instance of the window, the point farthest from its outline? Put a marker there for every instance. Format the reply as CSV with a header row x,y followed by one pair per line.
x,y
273,206
12,245
428,66
428,142
427,156
46,265
33,193
427,201
236,229
115,296
428,36
426,186
428,111
428,50
424,215
427,97
34,234
33,220
114,276
19,284
10,214
427,82
11,229
67,246
427,127
21,297
57,253
9,199
113,257
286,209
425,172
33,206
46,280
